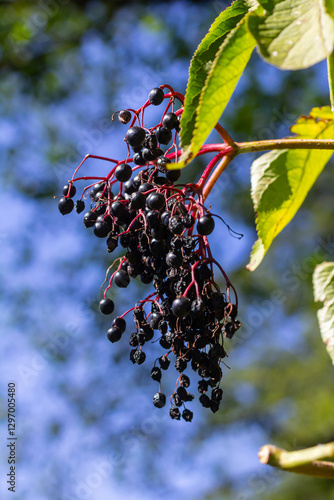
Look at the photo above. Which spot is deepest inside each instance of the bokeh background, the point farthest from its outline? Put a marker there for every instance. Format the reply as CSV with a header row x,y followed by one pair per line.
x,y
87,428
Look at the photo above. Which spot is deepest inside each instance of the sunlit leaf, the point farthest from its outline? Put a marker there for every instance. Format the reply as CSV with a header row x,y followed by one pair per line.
x,y
229,64
202,62
293,34
323,283
281,180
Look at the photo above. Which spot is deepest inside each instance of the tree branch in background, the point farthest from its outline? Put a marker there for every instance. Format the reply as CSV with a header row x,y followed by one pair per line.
x,y
308,461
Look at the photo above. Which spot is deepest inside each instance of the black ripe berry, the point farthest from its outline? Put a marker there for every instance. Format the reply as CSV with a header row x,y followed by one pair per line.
x,y
163,135
139,357
65,205
184,381
156,374
187,415
120,323
138,201
155,201
138,159
79,206
202,386
175,414
217,394
162,164
121,279
205,225
101,229
180,364
159,400
89,219
112,243
114,334
106,306
205,401
123,172
156,96
173,175
174,259
181,307
135,136
176,225
69,190
124,116
170,121
164,362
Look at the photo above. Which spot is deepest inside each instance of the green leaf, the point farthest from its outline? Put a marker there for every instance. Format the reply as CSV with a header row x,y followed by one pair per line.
x,y
281,180
293,34
203,60
330,71
323,284
329,6
229,64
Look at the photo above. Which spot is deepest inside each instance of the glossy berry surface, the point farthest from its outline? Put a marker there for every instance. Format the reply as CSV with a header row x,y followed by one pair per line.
x,y
79,206
159,400
124,116
170,121
135,136
181,307
205,225
65,205
106,306
156,96
163,135
69,190
121,279
123,172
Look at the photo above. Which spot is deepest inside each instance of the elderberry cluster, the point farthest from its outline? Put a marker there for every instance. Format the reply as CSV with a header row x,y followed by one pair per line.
x,y
163,228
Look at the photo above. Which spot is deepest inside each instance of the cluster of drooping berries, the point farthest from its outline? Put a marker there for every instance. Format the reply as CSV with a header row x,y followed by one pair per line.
x,y
163,227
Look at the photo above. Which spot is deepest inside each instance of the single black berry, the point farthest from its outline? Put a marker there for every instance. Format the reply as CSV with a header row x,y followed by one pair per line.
x,y
139,357
155,201
205,401
138,159
164,362
173,175
205,225
174,259
121,279
124,116
187,415
176,225
69,190
156,96
101,229
202,386
181,307
106,306
162,163
184,381
135,136
65,205
159,400
138,201
164,136
175,414
170,121
123,172
120,323
89,218
156,374
79,206
114,334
